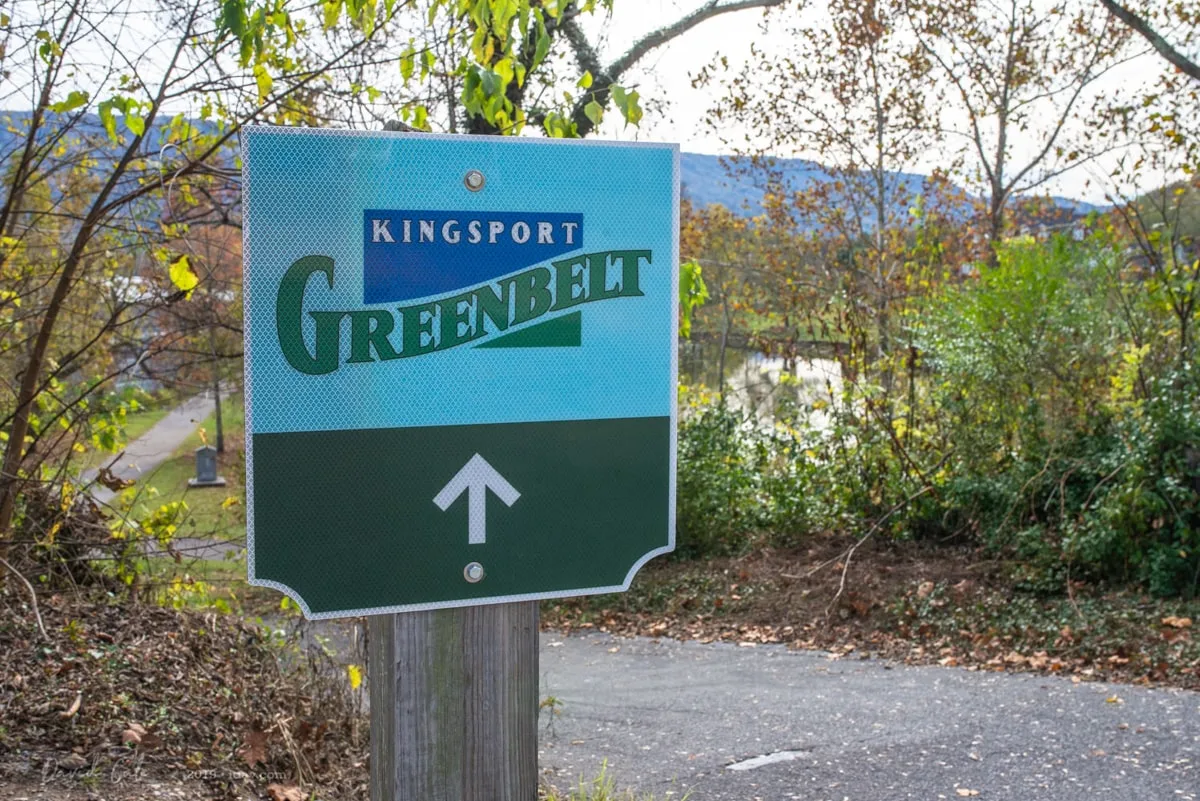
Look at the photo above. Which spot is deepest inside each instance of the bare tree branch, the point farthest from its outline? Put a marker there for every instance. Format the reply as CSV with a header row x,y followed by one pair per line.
x,y
603,78
32,599
1164,48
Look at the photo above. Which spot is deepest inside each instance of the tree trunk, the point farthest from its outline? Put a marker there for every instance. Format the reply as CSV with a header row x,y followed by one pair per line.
x,y
217,390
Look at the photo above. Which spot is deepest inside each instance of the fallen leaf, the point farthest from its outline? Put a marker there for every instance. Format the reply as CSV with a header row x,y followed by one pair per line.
x,y
73,708
106,477
1015,658
614,649
130,737
924,589
1113,699
354,672
73,762
965,793
254,748
285,792
1177,622
1176,635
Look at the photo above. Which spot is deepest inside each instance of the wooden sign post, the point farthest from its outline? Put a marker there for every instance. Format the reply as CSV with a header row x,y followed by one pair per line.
x,y
454,703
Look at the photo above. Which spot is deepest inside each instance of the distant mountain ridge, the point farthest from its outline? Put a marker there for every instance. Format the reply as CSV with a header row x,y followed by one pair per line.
x,y
706,180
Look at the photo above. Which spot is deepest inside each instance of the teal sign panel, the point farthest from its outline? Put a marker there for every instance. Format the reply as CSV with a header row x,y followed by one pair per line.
x,y
460,366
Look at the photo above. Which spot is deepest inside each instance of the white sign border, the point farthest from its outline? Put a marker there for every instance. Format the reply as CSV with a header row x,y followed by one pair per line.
x,y
250,130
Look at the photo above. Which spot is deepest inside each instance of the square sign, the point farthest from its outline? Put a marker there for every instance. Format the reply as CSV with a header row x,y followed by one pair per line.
x,y
460,366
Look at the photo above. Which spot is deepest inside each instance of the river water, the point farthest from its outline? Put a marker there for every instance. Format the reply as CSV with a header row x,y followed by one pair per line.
x,y
761,386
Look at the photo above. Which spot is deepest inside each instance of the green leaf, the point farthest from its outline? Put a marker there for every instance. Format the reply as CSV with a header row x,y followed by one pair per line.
x,y
628,104
263,80
490,82
585,81
504,70
107,119
182,275
594,111
136,124
233,18
542,49
333,10
618,94
558,127
74,100
693,292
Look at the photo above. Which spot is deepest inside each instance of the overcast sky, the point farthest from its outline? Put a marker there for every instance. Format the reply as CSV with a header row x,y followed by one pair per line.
x,y
665,74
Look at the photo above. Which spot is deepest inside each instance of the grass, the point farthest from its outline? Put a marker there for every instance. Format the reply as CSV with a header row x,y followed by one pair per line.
x,y
601,788
213,512
139,423
209,576
136,424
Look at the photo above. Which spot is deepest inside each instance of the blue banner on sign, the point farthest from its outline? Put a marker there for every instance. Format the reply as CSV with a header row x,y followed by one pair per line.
x,y
417,254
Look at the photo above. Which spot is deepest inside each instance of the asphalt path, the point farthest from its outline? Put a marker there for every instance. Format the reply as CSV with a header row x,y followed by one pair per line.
x,y
145,454
670,718
156,446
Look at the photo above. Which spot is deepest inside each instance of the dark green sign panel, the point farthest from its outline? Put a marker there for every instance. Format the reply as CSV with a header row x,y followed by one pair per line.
x,y
460,367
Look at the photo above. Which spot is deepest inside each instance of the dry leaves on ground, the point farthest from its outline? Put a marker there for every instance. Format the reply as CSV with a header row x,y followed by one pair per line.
x,y
285,792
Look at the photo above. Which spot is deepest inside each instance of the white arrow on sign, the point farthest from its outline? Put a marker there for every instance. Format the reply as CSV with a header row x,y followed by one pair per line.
x,y
476,477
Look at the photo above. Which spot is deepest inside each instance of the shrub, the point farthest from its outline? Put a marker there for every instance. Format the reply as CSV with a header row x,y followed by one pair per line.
x,y
717,483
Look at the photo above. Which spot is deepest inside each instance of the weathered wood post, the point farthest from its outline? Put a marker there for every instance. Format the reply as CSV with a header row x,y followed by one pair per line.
x,y
454,704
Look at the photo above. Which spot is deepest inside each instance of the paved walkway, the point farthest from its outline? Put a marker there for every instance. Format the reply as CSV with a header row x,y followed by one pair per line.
x,y
156,445
674,717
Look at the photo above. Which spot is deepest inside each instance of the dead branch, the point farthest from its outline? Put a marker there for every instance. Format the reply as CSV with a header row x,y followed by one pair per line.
x,y
845,556
32,598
